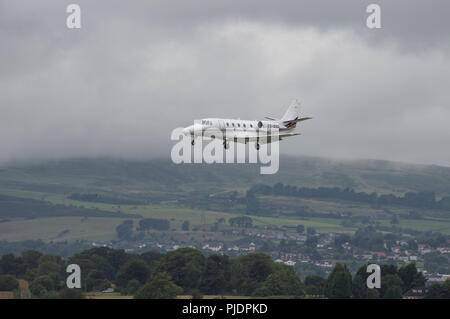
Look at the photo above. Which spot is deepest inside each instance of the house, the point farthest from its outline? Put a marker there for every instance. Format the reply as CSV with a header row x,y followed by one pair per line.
x,y
108,290
213,248
379,254
278,261
290,263
424,249
415,293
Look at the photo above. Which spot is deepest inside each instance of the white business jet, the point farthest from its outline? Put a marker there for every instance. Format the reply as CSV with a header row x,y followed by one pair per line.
x,y
244,131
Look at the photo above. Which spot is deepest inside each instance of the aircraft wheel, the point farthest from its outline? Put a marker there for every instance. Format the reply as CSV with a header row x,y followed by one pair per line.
x,y
257,146
226,145
192,142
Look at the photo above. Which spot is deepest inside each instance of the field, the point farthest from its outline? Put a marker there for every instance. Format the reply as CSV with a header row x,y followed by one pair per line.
x,y
158,185
59,229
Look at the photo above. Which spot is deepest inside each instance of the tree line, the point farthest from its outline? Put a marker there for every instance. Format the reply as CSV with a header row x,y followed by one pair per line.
x,y
13,207
410,199
124,230
101,198
188,271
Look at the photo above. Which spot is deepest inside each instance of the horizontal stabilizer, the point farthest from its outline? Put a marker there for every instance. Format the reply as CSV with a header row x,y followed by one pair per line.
x,y
298,120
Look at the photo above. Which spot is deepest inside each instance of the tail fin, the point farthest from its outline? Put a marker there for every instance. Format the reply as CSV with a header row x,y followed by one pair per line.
x,y
293,112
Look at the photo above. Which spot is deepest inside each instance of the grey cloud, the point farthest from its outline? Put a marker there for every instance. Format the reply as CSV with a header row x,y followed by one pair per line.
x,y
135,71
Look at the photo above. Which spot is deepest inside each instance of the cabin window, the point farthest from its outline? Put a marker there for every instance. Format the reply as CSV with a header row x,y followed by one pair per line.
x,y
228,124
243,125
239,125
232,124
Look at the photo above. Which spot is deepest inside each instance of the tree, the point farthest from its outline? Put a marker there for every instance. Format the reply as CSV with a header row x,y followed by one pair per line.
x,y
252,203
97,270
359,283
436,262
311,231
185,266
151,257
282,282
37,290
125,230
394,292
242,221
132,287
311,242
53,267
248,271
153,223
217,274
315,285
41,286
96,281
300,229
12,265
394,220
339,283
133,269
45,281
31,258
185,225
389,282
411,277
439,291
161,287
8,283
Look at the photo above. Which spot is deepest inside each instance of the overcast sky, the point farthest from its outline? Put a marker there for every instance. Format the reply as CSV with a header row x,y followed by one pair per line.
x,y
136,70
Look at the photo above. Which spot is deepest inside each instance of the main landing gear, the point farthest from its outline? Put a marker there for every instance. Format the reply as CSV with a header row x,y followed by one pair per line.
x,y
226,145
193,142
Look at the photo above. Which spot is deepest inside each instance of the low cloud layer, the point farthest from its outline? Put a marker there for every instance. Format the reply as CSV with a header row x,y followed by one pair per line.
x,y
118,86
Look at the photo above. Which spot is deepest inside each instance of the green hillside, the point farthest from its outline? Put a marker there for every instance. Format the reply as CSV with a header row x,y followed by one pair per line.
x,y
111,188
